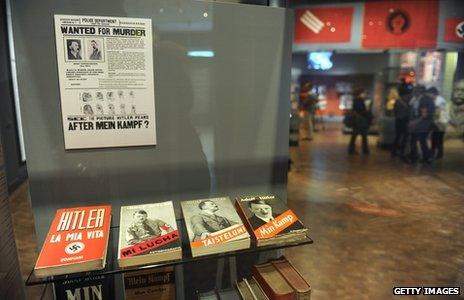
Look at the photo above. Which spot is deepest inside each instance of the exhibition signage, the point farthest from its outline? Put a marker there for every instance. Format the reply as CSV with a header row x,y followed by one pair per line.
x,y
323,25
400,24
105,67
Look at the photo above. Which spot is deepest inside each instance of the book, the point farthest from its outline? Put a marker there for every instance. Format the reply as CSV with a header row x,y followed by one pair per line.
x,y
244,290
76,242
272,282
270,220
148,234
158,283
249,289
293,277
256,289
213,226
86,287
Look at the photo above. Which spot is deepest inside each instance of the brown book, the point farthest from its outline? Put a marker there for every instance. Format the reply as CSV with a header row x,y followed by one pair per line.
x,y
269,220
272,282
294,278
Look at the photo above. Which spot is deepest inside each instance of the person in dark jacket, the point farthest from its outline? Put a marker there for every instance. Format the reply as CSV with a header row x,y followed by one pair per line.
x,y
401,113
420,124
361,119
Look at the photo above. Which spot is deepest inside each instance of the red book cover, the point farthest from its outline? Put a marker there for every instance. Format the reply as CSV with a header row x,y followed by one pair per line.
x,y
76,242
400,24
323,25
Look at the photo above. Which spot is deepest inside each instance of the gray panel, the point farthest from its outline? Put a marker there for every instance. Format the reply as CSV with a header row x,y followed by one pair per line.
x,y
222,122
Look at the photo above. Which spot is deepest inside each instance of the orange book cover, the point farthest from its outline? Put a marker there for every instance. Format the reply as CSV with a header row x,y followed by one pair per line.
x,y
268,217
76,242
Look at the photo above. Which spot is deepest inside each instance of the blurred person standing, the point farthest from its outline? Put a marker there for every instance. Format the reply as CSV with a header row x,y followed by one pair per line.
x,y
440,121
401,113
308,102
361,120
393,96
420,123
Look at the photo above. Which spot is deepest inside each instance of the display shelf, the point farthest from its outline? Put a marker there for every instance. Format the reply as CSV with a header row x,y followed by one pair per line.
x,y
112,267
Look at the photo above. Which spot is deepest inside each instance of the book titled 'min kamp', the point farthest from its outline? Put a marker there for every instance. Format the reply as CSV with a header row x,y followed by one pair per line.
x,y
76,242
270,220
148,233
213,226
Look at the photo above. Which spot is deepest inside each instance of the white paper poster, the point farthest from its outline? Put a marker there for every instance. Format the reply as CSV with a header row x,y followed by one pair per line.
x,y
105,67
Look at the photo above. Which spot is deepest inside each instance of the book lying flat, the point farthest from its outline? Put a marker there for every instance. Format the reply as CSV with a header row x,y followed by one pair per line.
x,y
244,290
270,220
272,282
256,289
293,277
76,242
249,289
148,234
213,226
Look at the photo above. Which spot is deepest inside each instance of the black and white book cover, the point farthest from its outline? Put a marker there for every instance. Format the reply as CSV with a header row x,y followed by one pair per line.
x,y
268,216
85,287
212,222
147,229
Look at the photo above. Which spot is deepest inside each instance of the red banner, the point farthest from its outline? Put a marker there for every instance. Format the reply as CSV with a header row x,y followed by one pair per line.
x,y
454,30
323,25
150,244
400,24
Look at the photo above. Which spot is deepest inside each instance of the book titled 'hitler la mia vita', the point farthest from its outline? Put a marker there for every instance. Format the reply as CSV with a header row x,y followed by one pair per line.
x,y
76,242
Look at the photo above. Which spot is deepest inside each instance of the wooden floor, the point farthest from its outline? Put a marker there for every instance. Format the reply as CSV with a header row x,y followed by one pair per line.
x,y
376,222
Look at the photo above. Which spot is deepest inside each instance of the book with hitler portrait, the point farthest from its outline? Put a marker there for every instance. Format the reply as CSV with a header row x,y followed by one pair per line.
x,y
76,242
213,226
270,220
148,234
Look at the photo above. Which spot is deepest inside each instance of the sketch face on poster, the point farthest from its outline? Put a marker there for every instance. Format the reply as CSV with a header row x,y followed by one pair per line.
x,y
105,67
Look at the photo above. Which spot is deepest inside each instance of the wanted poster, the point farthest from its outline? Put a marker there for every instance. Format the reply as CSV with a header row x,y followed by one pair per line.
x,y
105,67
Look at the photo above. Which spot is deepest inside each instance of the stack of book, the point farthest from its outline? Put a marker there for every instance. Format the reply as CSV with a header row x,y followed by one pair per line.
x,y
275,280
213,226
270,220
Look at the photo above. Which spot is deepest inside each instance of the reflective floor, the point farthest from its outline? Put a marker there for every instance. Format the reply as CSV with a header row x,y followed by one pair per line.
x,y
376,222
